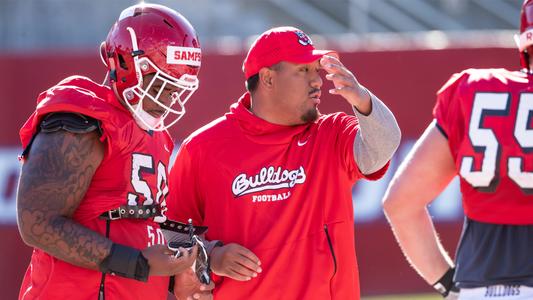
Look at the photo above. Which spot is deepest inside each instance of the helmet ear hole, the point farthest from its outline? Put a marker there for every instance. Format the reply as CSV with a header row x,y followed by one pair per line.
x,y
122,62
523,59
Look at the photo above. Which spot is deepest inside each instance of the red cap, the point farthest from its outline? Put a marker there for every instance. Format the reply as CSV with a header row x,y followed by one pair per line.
x,y
281,44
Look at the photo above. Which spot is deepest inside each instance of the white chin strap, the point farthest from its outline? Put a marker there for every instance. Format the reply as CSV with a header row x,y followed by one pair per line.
x,y
145,120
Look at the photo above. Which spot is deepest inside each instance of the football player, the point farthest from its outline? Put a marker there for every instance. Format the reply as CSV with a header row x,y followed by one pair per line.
x,y
483,132
94,176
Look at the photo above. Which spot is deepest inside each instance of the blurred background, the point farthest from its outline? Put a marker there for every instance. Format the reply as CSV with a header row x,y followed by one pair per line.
x,y
402,50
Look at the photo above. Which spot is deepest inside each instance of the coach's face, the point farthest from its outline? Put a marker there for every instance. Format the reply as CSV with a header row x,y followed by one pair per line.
x,y
297,91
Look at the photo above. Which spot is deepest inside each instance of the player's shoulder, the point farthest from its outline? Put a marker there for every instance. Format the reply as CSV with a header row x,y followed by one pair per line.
x,y
81,84
473,77
494,74
81,95
78,80
76,89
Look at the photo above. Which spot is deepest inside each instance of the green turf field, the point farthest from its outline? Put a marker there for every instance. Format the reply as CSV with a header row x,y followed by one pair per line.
x,y
405,297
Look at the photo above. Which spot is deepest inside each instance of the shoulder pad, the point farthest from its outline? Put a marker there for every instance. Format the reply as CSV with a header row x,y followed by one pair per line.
x,y
71,122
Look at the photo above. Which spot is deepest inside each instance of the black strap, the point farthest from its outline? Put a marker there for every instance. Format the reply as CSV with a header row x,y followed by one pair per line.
x,y
26,150
171,282
132,212
182,227
441,129
68,121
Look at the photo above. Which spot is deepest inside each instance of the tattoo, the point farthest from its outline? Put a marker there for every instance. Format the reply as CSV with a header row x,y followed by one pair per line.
x,y
53,181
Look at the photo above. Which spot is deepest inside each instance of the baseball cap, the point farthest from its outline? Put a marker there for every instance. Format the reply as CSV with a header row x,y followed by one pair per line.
x,y
281,44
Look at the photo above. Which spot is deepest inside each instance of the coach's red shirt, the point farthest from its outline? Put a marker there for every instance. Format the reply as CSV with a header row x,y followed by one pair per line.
x,y
487,116
134,168
284,192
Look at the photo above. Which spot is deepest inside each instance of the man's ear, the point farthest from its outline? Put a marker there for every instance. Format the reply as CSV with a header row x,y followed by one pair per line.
x,y
266,77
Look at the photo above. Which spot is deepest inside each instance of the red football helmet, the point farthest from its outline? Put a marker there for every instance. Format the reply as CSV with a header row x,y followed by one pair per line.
x,y
152,39
526,32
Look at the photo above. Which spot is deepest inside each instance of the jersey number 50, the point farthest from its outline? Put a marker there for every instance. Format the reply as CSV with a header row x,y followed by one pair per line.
x,y
484,140
142,163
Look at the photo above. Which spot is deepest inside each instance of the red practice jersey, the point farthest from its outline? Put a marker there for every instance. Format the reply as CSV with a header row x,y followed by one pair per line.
x,y
487,116
133,171
284,192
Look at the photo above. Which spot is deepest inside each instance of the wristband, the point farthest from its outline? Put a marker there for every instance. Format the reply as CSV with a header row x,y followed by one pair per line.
x,y
445,284
171,283
126,262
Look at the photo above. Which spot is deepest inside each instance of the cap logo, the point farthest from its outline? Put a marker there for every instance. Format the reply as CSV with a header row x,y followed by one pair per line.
x,y
303,39
184,56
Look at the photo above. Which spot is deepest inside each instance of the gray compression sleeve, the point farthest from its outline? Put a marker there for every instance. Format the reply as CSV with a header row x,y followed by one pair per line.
x,y
377,139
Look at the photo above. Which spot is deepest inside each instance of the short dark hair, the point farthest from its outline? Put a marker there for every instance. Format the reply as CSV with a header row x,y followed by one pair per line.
x,y
251,83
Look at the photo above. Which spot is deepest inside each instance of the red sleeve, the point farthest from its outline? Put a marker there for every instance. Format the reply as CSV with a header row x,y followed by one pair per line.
x,y
185,200
339,132
346,127
445,111
378,174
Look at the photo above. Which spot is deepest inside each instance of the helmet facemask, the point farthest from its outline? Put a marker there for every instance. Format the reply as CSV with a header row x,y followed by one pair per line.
x,y
183,88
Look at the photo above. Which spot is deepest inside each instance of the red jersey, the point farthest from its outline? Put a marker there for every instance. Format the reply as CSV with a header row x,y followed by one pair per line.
x,y
284,192
487,117
133,167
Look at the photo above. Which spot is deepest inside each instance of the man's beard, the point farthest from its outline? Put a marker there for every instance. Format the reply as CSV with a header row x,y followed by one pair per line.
x,y
310,115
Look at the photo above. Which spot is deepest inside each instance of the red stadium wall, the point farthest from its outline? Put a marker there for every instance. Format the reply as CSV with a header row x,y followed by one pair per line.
x,y
405,80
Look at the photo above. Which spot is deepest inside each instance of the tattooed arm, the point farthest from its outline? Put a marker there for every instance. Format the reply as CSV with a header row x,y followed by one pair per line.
x,y
53,181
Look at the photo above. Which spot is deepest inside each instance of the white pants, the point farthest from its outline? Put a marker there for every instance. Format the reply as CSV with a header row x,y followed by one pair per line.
x,y
497,292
